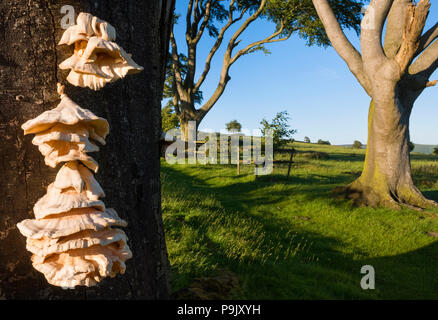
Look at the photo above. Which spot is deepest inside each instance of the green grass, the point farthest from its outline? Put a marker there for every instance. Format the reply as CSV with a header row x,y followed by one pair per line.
x,y
292,239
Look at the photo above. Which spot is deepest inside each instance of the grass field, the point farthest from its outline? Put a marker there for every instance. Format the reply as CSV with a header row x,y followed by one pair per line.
x,y
291,239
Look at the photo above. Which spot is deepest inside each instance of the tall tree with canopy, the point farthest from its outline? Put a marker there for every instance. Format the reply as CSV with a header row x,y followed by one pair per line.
x,y
393,74
217,17
129,164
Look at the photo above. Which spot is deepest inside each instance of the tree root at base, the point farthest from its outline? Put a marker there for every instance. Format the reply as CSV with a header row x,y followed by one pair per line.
x,y
408,197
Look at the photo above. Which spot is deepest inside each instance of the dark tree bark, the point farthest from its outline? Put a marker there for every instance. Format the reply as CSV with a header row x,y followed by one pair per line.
x,y
129,163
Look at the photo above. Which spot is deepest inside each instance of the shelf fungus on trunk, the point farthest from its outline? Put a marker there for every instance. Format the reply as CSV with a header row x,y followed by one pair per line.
x,y
97,59
71,238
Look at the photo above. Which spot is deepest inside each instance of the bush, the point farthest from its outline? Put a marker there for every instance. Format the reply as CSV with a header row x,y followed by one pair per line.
x,y
357,144
234,126
306,139
324,142
280,129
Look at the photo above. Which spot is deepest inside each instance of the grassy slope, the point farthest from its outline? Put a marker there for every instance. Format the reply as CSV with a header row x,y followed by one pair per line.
x,y
291,239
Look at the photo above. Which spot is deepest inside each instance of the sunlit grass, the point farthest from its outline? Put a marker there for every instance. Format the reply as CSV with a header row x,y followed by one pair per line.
x,y
291,239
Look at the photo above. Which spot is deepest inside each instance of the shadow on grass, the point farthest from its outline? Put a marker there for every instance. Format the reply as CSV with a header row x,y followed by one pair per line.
x,y
210,230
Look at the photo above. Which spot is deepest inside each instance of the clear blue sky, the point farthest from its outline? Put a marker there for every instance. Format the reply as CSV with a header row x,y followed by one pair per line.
x,y
313,84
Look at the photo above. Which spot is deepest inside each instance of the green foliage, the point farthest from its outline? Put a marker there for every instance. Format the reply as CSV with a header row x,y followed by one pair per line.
x,y
234,126
306,139
169,118
357,144
324,142
435,151
411,146
300,16
280,128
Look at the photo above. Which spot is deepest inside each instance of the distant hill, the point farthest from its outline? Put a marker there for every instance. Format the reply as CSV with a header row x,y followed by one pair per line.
x,y
420,148
424,148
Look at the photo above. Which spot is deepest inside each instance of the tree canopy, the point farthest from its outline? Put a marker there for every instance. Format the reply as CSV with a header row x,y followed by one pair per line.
x,y
234,126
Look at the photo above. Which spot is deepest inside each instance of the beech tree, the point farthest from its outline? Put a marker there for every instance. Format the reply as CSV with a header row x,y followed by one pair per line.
x,y
217,17
394,74
129,163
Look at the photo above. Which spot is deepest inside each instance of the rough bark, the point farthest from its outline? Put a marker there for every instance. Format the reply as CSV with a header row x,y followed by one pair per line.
x,y
129,163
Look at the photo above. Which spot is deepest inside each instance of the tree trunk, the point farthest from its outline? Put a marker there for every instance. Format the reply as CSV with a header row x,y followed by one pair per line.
x,y
129,163
386,179
188,113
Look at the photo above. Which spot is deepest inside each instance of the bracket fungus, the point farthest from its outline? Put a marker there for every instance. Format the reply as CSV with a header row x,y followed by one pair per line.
x,y
97,59
71,238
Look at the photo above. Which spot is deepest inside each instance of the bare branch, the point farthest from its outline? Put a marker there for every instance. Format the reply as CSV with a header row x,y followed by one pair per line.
x,y
269,39
196,10
427,38
224,77
175,60
206,15
395,27
341,44
216,95
254,16
189,21
415,20
217,45
426,64
176,98
431,83
371,37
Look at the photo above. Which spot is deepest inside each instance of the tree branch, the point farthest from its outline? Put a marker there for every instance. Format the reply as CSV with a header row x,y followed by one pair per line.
x,y
341,44
427,38
371,37
415,19
217,45
254,16
426,63
189,21
395,27
175,60
224,78
206,15
269,39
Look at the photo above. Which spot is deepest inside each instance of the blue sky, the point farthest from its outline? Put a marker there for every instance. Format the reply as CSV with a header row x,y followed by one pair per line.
x,y
313,84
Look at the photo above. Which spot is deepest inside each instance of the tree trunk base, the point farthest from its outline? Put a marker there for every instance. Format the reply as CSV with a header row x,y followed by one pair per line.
x,y
363,195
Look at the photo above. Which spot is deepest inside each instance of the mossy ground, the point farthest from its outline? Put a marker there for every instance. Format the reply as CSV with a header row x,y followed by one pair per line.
x,y
292,239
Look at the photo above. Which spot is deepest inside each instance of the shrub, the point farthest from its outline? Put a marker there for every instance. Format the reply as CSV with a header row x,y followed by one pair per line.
x,y
324,142
357,144
280,127
234,126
